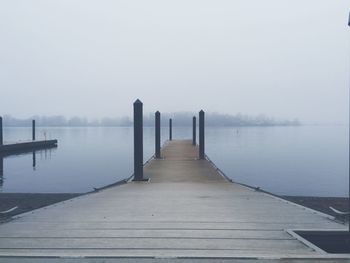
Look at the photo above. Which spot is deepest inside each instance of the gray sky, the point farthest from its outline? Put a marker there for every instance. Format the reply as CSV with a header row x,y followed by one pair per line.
x,y
282,58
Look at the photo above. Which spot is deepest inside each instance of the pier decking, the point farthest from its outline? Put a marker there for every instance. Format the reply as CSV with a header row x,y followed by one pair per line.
x,y
187,209
8,149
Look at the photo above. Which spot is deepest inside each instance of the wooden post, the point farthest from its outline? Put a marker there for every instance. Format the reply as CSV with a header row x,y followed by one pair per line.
x,y
157,128
33,130
349,155
138,141
1,134
1,170
201,136
170,129
194,126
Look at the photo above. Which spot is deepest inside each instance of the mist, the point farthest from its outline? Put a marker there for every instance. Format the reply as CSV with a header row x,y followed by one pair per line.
x,y
284,59
181,119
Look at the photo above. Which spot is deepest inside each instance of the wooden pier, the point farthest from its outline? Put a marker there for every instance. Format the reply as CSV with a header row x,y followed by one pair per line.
x,y
186,209
27,146
23,146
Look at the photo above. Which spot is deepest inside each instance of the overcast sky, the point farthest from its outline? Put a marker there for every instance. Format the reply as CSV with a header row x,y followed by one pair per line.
x,y
283,58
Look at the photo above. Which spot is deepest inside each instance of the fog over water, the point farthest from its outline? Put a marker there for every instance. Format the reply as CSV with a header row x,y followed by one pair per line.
x,y
290,160
285,59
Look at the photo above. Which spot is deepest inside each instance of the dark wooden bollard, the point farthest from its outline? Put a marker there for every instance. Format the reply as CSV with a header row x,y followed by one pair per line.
x,y
201,135
194,135
157,127
138,141
1,170
170,129
33,130
1,136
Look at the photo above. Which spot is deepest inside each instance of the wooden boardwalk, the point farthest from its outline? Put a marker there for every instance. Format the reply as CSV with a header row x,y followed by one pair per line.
x,y
187,209
26,146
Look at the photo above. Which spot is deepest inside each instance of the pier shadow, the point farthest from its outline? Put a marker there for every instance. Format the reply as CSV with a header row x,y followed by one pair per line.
x,y
45,153
337,242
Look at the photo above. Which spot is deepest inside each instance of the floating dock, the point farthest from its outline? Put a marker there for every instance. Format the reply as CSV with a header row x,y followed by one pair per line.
x,y
186,210
26,146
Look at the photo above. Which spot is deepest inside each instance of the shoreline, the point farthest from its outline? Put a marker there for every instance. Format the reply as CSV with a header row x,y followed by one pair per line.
x,y
322,204
26,202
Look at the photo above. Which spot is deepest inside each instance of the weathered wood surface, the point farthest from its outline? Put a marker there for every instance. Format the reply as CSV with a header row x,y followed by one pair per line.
x,y
187,209
7,149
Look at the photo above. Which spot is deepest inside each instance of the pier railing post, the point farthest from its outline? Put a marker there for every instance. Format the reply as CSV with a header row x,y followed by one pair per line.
x,y
138,141
170,129
201,135
33,130
1,170
1,134
157,127
194,133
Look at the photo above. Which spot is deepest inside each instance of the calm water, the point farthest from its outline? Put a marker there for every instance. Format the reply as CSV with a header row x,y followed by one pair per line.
x,y
305,160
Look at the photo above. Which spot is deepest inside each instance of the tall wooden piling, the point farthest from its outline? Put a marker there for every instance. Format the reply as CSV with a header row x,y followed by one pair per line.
x,y
170,129
201,135
138,141
194,132
1,170
1,134
157,131
33,130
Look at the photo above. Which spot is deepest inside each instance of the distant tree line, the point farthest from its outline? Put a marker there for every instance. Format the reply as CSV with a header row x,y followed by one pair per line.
x,y
179,119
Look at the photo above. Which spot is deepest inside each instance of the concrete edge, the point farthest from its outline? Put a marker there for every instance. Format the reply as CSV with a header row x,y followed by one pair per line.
x,y
304,241
271,194
319,258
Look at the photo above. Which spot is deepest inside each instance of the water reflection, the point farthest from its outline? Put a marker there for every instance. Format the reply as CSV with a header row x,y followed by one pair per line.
x,y
303,160
34,160
45,154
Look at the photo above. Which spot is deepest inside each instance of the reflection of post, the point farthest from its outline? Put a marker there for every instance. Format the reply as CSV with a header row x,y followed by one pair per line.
x,y
34,160
1,170
33,130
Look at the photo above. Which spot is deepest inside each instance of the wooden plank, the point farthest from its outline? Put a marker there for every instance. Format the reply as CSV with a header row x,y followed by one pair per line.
x,y
151,243
147,233
165,253
7,149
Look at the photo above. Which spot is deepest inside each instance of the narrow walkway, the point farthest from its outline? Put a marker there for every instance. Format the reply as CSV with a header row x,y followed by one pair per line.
x,y
187,209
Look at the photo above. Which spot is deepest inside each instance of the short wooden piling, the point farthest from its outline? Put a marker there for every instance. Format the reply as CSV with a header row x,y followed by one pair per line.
x,y
1,134
138,141
157,134
170,129
194,135
201,135
33,130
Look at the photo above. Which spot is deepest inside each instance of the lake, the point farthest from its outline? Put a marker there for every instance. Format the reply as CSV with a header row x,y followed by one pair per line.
x,y
295,160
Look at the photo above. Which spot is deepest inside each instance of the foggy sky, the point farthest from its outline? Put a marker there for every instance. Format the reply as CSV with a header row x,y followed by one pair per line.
x,y
282,58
